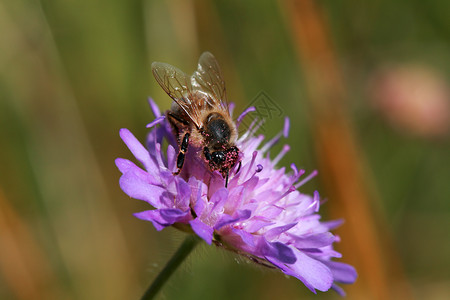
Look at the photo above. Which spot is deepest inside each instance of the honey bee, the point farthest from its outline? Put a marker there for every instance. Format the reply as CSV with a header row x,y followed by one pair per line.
x,y
199,114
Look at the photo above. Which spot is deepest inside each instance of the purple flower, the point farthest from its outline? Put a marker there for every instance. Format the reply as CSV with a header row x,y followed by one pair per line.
x,y
260,214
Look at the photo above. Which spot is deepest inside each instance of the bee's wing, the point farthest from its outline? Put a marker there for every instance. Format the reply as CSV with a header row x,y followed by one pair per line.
x,y
179,87
208,78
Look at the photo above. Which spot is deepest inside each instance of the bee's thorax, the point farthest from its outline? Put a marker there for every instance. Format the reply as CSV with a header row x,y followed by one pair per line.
x,y
217,131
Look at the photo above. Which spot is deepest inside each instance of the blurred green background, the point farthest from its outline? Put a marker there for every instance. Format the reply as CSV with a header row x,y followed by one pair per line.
x,y
72,73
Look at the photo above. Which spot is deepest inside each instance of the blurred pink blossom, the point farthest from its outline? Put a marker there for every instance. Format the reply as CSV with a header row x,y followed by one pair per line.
x,y
413,98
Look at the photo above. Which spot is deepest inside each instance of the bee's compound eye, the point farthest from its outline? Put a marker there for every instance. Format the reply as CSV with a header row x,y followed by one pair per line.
x,y
218,157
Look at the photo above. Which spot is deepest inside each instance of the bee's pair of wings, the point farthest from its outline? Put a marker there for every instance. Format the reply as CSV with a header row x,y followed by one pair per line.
x,y
205,88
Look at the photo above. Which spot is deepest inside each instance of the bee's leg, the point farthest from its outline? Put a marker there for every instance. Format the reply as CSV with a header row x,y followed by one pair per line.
x,y
182,153
226,179
178,124
239,167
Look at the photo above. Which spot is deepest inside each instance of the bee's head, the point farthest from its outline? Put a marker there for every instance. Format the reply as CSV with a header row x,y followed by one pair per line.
x,y
222,160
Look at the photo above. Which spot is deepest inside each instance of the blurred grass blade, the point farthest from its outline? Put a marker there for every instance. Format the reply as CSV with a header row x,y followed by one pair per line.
x,y
366,244
24,267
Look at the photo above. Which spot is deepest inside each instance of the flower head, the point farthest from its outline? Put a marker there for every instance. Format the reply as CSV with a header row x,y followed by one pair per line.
x,y
260,214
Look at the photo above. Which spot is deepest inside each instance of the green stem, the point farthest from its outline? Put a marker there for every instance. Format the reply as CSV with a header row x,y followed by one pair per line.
x,y
185,249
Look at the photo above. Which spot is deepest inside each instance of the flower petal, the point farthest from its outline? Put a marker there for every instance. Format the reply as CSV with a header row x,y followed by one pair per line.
x,y
183,193
156,121
218,199
277,250
338,290
162,218
314,240
342,272
136,148
137,187
257,223
227,219
333,224
313,273
235,198
275,232
202,230
124,164
154,107
246,237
